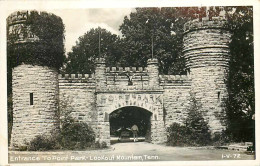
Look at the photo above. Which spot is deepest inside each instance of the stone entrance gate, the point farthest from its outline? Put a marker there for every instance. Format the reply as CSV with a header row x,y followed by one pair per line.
x,y
152,101
39,91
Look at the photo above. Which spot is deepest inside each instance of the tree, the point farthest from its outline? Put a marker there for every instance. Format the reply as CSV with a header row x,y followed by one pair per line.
x,y
241,101
82,57
195,131
196,125
160,26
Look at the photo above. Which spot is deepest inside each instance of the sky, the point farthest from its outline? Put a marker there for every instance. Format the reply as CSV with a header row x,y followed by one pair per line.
x,y
79,21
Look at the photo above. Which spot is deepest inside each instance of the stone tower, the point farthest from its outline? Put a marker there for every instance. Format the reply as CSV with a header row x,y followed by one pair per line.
x,y
207,54
153,69
100,75
35,90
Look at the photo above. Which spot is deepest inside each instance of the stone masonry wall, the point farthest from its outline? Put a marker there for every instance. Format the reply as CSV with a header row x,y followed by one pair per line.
x,y
39,118
175,97
77,93
210,90
123,83
118,78
206,50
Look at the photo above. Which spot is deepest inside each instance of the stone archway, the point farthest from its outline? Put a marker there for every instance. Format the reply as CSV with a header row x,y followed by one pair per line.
x,y
109,102
122,119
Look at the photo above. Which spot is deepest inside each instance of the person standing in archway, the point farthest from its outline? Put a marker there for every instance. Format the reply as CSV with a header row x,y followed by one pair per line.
x,y
134,129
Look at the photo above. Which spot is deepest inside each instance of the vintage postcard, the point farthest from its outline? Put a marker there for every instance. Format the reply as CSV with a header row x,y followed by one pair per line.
x,y
143,83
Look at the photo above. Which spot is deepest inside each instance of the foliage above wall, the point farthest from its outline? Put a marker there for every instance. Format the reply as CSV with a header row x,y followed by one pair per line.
x,y
165,26
47,44
82,57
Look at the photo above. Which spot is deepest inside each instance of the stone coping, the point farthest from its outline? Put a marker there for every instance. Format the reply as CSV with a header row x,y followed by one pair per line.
x,y
134,90
126,69
205,23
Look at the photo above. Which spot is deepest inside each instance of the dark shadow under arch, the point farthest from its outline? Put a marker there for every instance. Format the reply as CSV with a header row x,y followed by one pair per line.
x,y
124,118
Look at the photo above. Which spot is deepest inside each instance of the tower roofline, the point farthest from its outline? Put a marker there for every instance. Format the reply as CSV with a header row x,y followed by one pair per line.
x,y
205,23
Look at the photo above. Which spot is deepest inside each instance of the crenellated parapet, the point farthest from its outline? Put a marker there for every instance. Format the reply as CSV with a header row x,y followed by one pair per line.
x,y
126,69
126,78
71,79
173,80
206,43
205,23
77,76
132,89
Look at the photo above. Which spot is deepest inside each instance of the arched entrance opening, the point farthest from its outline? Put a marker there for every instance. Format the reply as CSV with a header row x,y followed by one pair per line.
x,y
121,120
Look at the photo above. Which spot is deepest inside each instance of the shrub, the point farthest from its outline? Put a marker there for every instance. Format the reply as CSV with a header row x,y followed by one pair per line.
x,y
180,135
195,132
196,125
103,145
222,138
99,145
22,148
77,136
73,136
42,143
177,135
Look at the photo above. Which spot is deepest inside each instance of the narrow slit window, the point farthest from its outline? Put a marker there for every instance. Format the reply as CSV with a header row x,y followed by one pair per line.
x,y
31,98
218,95
106,117
155,117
